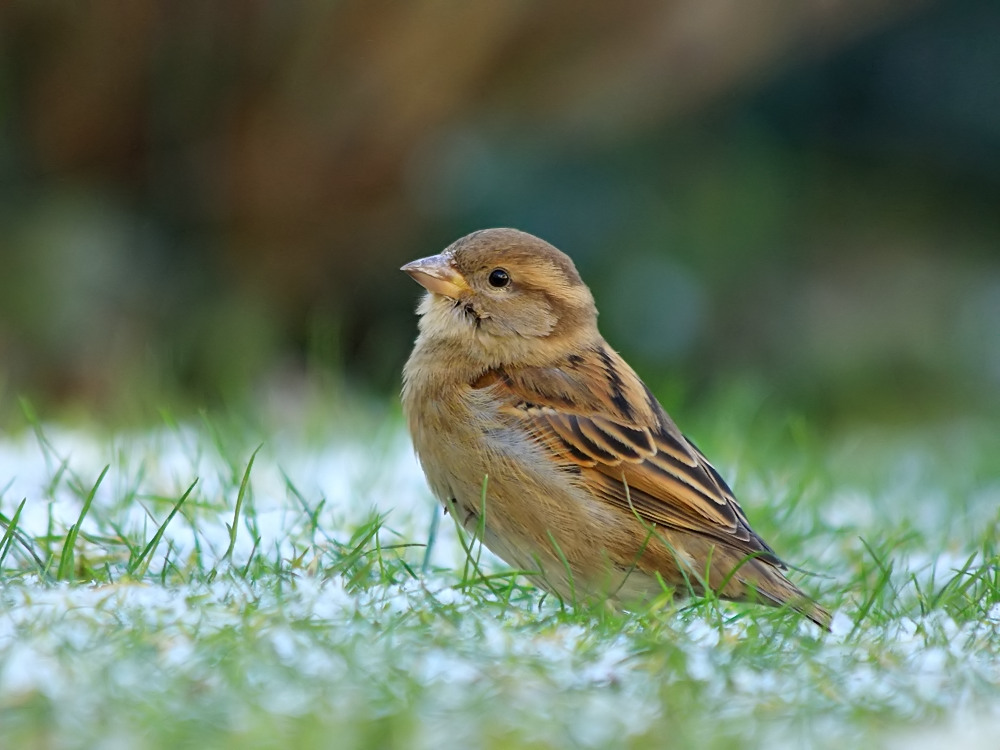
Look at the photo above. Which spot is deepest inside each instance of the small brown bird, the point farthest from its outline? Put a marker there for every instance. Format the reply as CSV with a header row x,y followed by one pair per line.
x,y
589,485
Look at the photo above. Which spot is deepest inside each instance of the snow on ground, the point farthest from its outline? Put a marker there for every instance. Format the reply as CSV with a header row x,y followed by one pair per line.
x,y
324,637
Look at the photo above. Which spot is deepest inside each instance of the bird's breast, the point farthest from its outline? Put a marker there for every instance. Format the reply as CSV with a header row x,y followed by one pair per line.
x,y
463,438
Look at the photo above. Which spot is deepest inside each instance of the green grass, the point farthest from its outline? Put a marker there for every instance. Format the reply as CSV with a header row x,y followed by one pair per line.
x,y
222,585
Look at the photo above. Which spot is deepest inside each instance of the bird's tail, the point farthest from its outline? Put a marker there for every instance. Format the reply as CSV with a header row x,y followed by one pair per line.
x,y
773,588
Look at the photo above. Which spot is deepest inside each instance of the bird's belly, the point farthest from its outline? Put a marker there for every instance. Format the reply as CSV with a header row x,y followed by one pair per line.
x,y
532,514
529,511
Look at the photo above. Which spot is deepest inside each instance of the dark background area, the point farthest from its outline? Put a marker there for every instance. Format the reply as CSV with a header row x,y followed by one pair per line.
x,y
201,200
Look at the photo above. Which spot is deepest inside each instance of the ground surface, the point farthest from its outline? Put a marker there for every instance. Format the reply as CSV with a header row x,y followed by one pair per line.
x,y
285,598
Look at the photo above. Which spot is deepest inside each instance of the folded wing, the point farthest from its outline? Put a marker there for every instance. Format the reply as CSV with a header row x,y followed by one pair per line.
x,y
600,420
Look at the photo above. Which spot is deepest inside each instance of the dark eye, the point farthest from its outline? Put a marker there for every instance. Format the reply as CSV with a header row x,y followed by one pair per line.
x,y
499,278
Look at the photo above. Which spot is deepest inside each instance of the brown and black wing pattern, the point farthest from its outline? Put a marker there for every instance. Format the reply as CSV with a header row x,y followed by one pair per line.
x,y
598,418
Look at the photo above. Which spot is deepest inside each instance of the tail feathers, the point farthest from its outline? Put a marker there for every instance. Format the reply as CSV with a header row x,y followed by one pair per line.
x,y
815,612
773,588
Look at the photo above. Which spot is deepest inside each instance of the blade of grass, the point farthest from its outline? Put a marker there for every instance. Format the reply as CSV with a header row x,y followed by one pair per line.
x,y
312,513
566,566
885,572
147,552
467,541
431,537
244,484
66,558
253,551
8,536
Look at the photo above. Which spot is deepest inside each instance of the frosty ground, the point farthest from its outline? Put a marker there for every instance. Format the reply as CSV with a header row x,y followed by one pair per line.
x,y
287,598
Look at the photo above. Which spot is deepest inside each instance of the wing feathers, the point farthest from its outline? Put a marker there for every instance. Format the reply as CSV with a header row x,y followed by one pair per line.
x,y
669,468
631,443
602,420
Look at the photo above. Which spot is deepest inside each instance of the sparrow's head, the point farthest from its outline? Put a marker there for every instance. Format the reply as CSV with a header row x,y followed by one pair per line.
x,y
503,289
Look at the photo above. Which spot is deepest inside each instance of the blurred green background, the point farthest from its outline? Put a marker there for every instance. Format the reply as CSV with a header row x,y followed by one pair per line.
x,y
203,201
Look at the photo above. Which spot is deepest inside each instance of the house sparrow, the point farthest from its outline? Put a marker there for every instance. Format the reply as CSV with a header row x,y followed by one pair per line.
x,y
520,410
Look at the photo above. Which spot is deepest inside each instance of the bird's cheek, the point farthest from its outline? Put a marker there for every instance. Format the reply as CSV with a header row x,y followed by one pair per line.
x,y
533,323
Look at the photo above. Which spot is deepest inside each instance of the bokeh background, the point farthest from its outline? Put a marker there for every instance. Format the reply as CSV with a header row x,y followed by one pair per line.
x,y
202,200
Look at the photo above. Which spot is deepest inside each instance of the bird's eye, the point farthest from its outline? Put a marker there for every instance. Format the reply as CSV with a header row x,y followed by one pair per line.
x,y
499,278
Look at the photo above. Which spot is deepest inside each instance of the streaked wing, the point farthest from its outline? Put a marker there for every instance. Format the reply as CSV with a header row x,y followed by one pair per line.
x,y
599,419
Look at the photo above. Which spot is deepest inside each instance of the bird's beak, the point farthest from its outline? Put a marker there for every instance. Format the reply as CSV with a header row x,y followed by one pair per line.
x,y
437,274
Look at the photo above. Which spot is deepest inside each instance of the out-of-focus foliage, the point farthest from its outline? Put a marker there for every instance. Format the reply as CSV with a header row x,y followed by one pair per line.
x,y
207,196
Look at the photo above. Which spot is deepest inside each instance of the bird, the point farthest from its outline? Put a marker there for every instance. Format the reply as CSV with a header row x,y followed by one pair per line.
x,y
536,435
